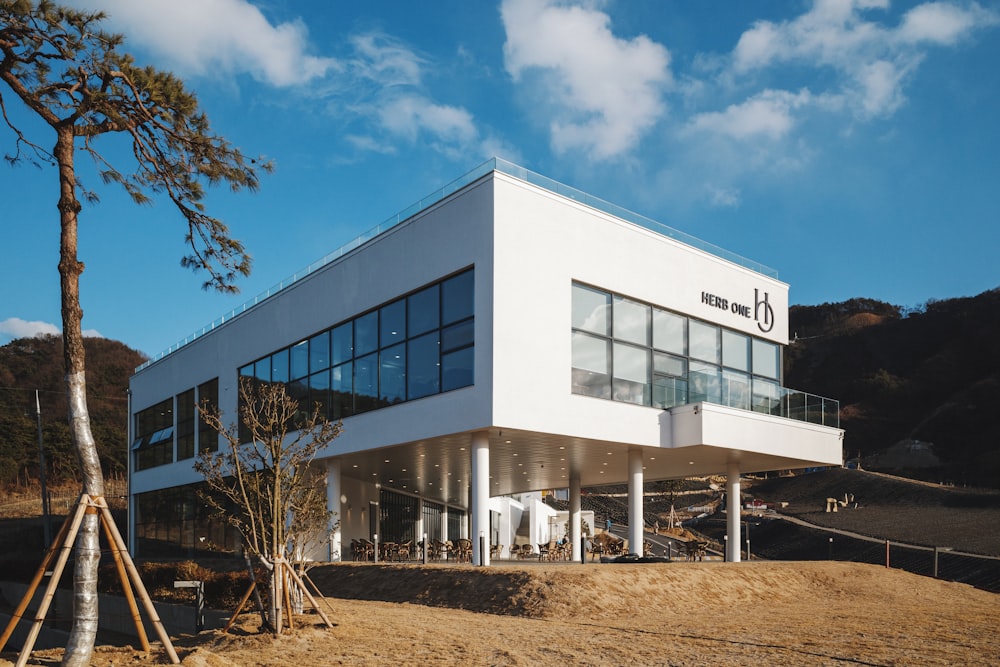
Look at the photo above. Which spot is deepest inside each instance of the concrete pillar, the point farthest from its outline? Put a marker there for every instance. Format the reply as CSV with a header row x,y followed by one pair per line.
x,y
333,493
733,512
574,516
480,505
635,517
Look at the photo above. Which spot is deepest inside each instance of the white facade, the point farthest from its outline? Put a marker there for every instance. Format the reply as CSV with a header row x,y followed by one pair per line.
x,y
519,427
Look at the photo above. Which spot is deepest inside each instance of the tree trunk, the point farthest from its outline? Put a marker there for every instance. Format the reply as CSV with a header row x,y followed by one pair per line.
x,y
83,633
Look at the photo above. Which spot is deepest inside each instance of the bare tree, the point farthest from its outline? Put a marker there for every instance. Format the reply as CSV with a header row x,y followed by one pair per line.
x,y
69,73
263,483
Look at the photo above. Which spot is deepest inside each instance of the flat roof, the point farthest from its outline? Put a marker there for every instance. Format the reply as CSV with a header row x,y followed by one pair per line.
x,y
491,165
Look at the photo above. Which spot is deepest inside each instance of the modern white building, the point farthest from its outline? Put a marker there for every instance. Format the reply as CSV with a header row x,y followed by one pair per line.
x,y
506,334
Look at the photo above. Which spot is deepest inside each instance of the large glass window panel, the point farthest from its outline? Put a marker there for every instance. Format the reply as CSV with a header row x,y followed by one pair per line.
x,y
392,375
392,323
208,437
591,310
458,335
319,352
591,365
457,298
298,361
366,383
457,369
279,366
342,343
342,390
669,332
319,393
668,364
631,321
247,371
423,311
366,333
262,370
298,390
704,383
185,424
765,359
631,374
736,389
423,357
704,341
735,350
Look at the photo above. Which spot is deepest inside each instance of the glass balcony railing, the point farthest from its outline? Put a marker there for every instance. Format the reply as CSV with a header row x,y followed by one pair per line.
x,y
744,393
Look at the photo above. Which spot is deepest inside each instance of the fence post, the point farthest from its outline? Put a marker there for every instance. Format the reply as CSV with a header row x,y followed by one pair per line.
x,y
887,553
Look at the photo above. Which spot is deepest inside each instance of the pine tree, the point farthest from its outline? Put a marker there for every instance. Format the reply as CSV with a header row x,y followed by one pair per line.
x,y
65,69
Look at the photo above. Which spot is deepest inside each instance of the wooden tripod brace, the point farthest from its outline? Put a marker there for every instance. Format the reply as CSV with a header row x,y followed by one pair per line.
x,y
282,568
59,551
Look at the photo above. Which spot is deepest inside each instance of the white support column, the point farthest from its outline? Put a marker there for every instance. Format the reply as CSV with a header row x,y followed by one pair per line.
x,y
333,493
635,518
733,512
574,517
480,505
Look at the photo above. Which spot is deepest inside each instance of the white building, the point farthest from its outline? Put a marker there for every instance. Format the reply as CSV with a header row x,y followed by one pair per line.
x,y
507,334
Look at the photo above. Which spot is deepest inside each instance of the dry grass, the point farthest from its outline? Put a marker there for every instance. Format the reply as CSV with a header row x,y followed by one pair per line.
x,y
814,613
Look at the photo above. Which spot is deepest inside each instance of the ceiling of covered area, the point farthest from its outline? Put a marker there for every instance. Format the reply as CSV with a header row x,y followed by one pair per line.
x,y
439,469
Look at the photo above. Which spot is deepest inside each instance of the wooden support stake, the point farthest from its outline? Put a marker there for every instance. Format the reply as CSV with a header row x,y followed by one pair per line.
x,y
303,588
43,606
126,588
305,577
50,554
147,603
239,608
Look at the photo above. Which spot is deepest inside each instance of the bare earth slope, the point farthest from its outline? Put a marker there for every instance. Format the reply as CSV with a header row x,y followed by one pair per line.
x,y
774,613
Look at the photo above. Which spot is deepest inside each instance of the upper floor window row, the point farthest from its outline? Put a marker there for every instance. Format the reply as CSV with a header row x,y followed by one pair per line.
x,y
415,346
172,430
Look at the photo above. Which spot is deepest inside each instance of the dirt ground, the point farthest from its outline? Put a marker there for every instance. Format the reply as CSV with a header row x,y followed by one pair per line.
x,y
766,613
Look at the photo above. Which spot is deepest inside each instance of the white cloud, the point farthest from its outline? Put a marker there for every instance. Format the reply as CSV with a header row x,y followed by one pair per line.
x,y
15,327
217,38
768,114
410,115
603,92
873,60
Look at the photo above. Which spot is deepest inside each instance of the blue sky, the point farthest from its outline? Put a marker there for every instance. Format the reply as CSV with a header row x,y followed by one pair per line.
x,y
850,144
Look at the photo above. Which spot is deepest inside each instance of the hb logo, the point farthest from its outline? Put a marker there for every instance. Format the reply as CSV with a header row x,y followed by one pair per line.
x,y
765,323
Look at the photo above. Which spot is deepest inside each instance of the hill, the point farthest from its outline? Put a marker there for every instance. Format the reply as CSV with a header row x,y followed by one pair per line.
x,y
28,364
917,389
590,615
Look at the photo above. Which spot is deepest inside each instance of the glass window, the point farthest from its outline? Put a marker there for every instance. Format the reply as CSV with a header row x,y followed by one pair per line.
x,y
591,365
459,335
736,389
262,370
457,369
366,383
423,376
208,437
299,360
279,366
423,311
669,332
457,298
704,383
631,374
631,321
591,309
185,424
247,371
366,333
735,350
392,375
319,352
704,341
667,364
342,391
319,393
342,343
392,323
765,359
